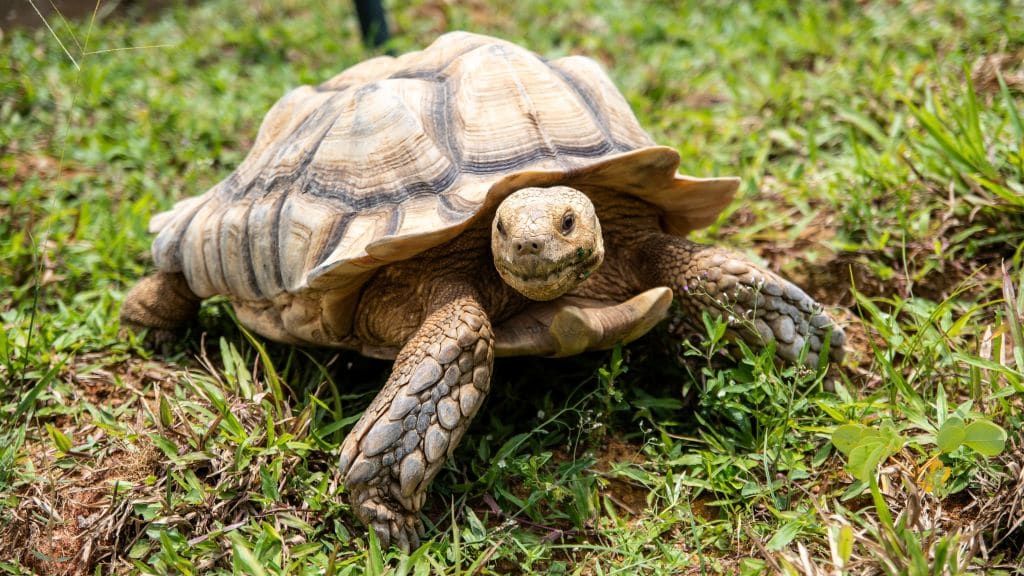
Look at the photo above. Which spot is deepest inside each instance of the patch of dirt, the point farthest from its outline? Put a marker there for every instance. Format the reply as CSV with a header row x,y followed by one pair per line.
x,y
615,450
111,386
831,277
482,16
69,519
76,509
629,496
860,340
998,506
30,165
138,379
702,507
699,100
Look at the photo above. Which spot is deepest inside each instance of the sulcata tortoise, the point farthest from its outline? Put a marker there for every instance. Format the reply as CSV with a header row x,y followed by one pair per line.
x,y
441,208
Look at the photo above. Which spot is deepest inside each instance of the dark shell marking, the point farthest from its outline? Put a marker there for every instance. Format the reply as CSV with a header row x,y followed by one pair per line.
x,y
390,147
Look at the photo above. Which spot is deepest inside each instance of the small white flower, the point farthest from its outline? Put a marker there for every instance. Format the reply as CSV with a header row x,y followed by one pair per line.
x,y
540,413
501,464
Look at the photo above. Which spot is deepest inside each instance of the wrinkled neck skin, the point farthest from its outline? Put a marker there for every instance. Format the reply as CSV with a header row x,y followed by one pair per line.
x,y
399,297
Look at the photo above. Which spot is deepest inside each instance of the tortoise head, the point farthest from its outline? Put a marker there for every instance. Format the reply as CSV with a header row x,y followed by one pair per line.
x,y
546,241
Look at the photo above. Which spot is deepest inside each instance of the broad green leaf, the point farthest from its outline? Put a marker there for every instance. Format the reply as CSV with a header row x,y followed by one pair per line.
x,y
848,436
140,549
749,566
892,439
821,454
784,536
121,486
864,459
951,435
985,438
169,448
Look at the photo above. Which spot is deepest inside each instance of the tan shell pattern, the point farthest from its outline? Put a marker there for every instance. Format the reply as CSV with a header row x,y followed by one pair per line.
x,y
396,155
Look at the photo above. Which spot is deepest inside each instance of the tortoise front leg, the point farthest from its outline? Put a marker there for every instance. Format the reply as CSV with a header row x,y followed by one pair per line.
x,y
436,387
761,306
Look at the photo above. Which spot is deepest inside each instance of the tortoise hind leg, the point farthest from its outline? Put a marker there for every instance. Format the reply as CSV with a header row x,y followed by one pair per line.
x,y
761,306
161,303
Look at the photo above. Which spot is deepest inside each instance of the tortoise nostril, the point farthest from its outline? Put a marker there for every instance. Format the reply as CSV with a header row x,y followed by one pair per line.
x,y
531,247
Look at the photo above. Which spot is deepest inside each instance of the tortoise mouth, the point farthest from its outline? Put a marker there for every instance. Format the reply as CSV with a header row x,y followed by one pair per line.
x,y
536,271
541,279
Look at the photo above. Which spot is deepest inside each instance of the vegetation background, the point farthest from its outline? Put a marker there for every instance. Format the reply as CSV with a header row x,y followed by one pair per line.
x,y
881,146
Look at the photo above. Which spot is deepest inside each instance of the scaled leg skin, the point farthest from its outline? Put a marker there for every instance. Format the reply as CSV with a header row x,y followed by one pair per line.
x,y
436,387
763,305
161,303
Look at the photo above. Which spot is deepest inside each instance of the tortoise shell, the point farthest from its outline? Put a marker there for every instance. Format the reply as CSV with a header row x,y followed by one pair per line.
x,y
398,155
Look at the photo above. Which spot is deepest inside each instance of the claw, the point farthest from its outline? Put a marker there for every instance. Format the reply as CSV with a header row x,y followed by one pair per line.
x,y
402,531
401,540
383,534
392,523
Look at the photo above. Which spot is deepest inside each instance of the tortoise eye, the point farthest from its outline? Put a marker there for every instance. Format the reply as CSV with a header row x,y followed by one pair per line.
x,y
501,228
568,223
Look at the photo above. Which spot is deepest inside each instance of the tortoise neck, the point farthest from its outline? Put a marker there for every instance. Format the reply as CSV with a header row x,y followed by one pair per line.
x,y
400,296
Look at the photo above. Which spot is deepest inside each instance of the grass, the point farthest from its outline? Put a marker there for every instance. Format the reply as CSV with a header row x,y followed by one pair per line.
x,y
881,147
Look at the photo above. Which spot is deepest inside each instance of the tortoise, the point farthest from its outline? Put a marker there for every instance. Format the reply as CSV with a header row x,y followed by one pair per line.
x,y
447,206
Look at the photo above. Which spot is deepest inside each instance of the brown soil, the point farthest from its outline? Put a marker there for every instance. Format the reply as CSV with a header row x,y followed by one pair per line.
x,y
627,495
831,277
68,516
67,521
